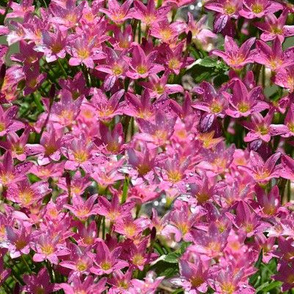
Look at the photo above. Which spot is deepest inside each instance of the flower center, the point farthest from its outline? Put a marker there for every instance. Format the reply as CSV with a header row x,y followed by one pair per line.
x,y
83,53
228,288
142,69
81,265
196,281
25,196
257,8
174,176
230,9
117,70
81,156
47,249
106,265
243,107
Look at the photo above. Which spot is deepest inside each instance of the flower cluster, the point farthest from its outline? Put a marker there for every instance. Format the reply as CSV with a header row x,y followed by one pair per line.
x,y
144,150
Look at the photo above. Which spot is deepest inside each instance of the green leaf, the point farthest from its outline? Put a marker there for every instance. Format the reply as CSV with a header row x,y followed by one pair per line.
x,y
172,257
269,286
208,62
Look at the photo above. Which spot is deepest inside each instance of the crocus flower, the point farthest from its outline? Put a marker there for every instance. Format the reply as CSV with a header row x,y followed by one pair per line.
x,y
118,13
53,45
262,171
201,34
19,241
212,102
86,286
142,65
10,173
115,67
113,210
259,8
81,208
8,122
273,57
17,144
234,56
159,86
210,243
83,51
39,283
67,14
284,78
65,112
25,194
287,171
159,132
275,27
107,108
285,275
167,32
149,14
261,128
106,261
79,261
242,102
21,9
193,275
47,247
226,9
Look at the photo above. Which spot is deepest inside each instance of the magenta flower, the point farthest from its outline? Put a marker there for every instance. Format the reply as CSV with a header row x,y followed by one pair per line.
x,y
261,128
149,14
130,228
86,286
167,32
10,173
234,56
211,102
284,78
79,261
39,283
118,13
142,65
116,66
66,111
8,122
66,15
287,171
53,45
107,108
244,103
47,247
202,35
83,51
139,107
273,57
274,27
22,9
26,194
19,241
262,171
210,243
259,8
226,10
113,210
285,275
49,148
17,144
269,202
158,132
79,154
159,86
106,261
81,208
193,275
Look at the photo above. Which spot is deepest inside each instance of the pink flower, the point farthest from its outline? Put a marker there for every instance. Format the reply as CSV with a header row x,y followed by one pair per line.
x,y
118,13
142,65
234,56
106,261
259,8
275,27
244,103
